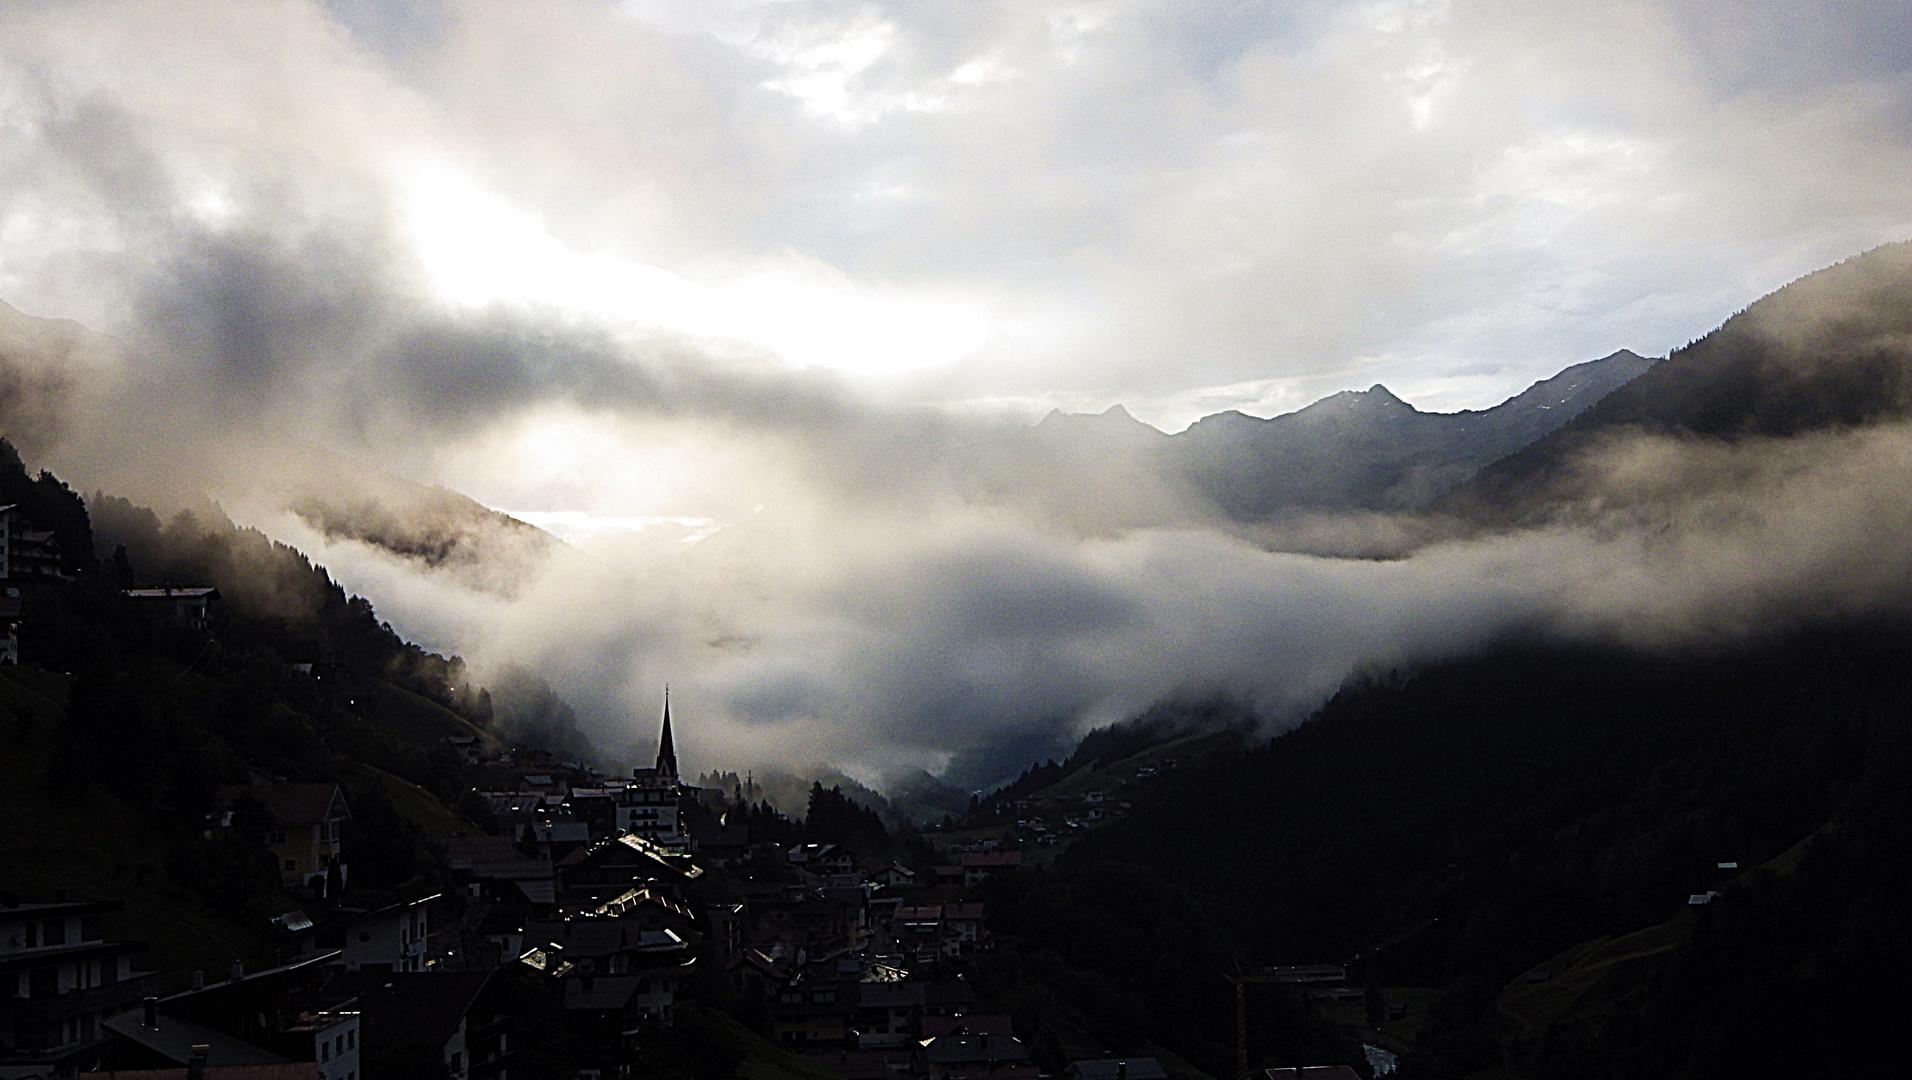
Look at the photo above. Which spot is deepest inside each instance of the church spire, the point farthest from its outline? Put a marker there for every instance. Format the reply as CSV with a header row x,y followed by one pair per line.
x,y
666,750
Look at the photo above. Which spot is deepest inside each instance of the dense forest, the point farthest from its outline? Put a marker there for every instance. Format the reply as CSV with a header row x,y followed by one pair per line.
x,y
1496,812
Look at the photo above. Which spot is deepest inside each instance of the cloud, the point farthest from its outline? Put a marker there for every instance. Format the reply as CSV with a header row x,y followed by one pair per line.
x,y
755,300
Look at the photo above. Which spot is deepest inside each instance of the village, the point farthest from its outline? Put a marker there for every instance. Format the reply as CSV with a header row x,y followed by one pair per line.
x,y
612,895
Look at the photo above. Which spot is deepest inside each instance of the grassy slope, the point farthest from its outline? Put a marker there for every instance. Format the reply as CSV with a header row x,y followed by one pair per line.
x,y
417,805
418,720
95,846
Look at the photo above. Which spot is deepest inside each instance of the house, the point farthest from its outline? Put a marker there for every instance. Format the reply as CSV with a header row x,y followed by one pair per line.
x,y
387,939
614,981
809,1013
980,866
304,824
648,909
466,747
963,926
60,978
822,859
1135,1068
860,1065
614,865
27,553
934,1027
897,876
447,1015
265,1019
190,606
489,866
956,1057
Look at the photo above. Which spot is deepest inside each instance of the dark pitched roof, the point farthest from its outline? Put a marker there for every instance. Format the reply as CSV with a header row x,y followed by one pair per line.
x,y
973,1024
958,1049
403,1009
1135,1068
285,1070
175,1038
292,804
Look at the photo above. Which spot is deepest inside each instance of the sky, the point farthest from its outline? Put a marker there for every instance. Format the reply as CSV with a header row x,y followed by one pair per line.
x,y
711,290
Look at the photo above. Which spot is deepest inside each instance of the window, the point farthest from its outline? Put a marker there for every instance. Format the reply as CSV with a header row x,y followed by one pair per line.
x,y
90,928
53,932
33,935
275,838
325,1050
351,1039
290,865
824,996
457,1061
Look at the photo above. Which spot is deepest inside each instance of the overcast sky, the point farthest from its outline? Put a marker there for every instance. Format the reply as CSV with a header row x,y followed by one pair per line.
x,y
595,262
1183,205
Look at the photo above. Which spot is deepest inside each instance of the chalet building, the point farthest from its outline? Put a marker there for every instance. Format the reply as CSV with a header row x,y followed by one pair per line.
x,y
814,1013
980,866
614,981
305,825
275,1019
388,939
61,979
893,1015
960,1057
455,1017
27,553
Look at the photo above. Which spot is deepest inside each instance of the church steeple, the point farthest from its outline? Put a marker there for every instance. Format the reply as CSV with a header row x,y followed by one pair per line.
x,y
666,750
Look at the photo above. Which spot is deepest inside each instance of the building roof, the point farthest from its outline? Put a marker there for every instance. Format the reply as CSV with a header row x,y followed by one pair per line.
x,y
854,1065
890,995
284,1070
175,1038
963,912
196,592
293,804
409,1008
973,1024
960,1049
601,992
493,858
21,912
1135,1068
949,993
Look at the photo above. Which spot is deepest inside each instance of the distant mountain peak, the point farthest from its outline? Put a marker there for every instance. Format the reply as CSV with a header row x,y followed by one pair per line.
x,y
1113,418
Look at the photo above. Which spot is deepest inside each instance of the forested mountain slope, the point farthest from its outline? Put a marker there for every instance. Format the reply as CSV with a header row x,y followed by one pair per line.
x,y
1831,350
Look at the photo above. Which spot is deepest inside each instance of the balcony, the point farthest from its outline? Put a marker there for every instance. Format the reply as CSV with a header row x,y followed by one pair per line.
x,y
110,998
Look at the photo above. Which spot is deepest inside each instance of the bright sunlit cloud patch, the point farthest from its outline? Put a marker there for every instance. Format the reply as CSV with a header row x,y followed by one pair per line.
x,y
477,249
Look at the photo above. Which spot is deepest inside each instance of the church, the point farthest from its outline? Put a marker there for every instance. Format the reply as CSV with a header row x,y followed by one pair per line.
x,y
649,806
